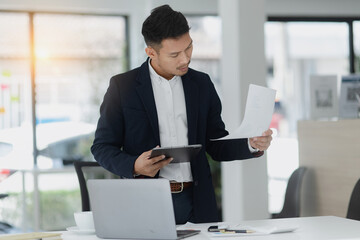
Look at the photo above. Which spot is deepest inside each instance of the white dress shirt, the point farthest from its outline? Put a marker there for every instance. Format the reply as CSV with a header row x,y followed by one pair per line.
x,y
173,128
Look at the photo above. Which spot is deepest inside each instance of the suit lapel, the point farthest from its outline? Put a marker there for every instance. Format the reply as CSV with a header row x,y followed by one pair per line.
x,y
146,95
191,93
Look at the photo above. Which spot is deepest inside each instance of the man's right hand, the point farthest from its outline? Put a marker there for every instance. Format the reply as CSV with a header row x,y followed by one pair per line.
x,y
144,165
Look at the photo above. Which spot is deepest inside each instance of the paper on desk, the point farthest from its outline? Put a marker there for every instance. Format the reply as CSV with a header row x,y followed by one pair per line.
x,y
193,226
257,228
258,113
262,229
275,229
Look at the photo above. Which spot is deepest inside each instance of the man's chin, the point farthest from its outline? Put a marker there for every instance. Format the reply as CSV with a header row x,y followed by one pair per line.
x,y
181,74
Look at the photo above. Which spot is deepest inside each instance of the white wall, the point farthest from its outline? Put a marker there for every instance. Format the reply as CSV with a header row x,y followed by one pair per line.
x,y
313,7
272,7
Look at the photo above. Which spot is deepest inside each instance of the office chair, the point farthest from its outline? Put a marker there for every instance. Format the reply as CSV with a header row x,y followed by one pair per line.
x,y
89,170
291,207
354,204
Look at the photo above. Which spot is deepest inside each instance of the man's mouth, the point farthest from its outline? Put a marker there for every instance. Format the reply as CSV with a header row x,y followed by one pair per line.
x,y
184,68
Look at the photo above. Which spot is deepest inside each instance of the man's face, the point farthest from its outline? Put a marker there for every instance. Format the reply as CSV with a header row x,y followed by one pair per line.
x,y
172,57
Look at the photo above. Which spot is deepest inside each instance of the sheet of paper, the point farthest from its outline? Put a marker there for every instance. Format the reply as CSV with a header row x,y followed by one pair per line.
x,y
258,113
257,231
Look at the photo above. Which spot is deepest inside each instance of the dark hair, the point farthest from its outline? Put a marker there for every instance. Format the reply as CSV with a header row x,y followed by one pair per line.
x,y
163,23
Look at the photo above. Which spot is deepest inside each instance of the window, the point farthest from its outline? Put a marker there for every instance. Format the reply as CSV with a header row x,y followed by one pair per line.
x,y
206,34
294,51
15,98
75,56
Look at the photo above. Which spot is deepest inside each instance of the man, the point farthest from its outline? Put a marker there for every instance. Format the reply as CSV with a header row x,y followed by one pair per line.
x,y
165,103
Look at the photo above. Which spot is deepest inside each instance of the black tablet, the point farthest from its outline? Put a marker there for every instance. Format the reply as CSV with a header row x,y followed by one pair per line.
x,y
180,154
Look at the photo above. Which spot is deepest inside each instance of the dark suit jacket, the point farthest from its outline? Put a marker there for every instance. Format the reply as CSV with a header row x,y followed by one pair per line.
x,y
128,126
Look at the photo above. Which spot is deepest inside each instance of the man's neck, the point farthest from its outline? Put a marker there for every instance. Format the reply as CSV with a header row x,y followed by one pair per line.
x,y
156,69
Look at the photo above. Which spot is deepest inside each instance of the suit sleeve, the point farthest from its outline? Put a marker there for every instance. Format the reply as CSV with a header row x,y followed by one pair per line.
x,y
109,135
223,150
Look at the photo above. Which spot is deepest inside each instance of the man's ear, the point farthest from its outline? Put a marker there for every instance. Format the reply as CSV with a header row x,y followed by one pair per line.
x,y
150,52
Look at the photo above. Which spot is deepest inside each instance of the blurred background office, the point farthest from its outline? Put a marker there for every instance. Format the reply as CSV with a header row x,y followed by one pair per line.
x,y
56,59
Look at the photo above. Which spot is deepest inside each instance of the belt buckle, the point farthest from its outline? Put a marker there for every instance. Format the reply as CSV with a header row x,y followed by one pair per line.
x,y
182,188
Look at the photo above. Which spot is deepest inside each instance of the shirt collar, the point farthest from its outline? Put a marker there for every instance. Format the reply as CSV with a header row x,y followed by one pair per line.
x,y
159,79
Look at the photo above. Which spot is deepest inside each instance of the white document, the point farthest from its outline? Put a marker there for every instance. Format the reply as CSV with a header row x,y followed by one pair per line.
x,y
258,113
255,231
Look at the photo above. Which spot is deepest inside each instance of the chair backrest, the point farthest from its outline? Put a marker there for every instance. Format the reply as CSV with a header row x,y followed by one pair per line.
x,y
354,203
291,207
89,170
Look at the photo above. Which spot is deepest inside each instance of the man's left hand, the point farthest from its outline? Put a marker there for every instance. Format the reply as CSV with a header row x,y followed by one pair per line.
x,y
262,142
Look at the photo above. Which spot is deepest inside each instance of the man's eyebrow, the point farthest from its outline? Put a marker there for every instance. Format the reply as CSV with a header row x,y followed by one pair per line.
x,y
174,53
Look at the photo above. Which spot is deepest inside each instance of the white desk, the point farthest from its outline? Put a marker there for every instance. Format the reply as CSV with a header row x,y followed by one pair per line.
x,y
309,228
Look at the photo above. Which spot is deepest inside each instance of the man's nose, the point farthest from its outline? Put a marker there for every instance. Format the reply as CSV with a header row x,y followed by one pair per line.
x,y
184,58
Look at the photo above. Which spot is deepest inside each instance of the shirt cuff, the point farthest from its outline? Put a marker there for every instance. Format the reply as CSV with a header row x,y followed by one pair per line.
x,y
252,150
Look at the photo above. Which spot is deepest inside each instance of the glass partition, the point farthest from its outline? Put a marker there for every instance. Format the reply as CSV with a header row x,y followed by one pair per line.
x,y
206,34
75,56
15,98
294,51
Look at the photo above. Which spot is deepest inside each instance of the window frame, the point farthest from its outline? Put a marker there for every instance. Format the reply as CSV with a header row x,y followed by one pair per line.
x,y
348,20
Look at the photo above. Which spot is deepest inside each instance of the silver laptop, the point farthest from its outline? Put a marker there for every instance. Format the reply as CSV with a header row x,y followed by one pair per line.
x,y
134,208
